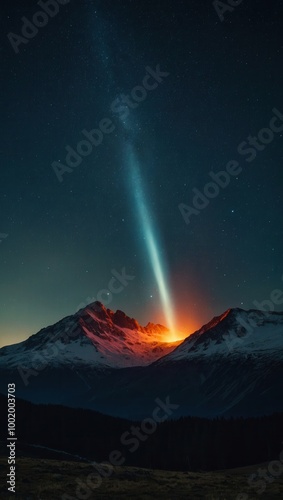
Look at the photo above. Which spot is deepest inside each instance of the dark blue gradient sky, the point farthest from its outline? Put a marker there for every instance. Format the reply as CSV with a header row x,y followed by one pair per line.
x,y
65,238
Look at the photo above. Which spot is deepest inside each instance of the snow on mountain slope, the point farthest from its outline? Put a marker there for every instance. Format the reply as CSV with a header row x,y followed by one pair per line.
x,y
235,333
94,336
232,366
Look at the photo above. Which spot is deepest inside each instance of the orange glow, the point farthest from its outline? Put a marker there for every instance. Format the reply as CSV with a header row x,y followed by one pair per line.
x,y
172,337
186,324
176,336
192,309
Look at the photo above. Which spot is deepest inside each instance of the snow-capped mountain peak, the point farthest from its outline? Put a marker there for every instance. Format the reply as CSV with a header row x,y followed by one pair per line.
x,y
235,332
107,361
94,336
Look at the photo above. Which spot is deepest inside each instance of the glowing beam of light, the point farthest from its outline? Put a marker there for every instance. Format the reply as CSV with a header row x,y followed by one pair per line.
x,y
150,239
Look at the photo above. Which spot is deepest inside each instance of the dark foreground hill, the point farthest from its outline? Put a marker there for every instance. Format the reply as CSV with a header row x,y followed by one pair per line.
x,y
57,480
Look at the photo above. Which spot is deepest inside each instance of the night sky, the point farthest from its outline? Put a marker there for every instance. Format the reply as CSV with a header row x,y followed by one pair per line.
x,y
63,242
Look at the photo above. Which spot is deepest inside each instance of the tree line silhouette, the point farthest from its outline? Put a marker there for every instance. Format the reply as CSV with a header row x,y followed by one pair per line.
x,y
186,444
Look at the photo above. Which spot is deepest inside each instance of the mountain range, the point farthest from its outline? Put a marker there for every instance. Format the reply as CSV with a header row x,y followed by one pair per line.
x,y
105,361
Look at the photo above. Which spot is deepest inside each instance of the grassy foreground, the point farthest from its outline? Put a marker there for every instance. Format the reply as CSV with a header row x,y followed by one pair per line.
x,y
40,479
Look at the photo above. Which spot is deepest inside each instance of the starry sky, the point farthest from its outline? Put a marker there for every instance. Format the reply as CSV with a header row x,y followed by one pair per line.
x,y
118,212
